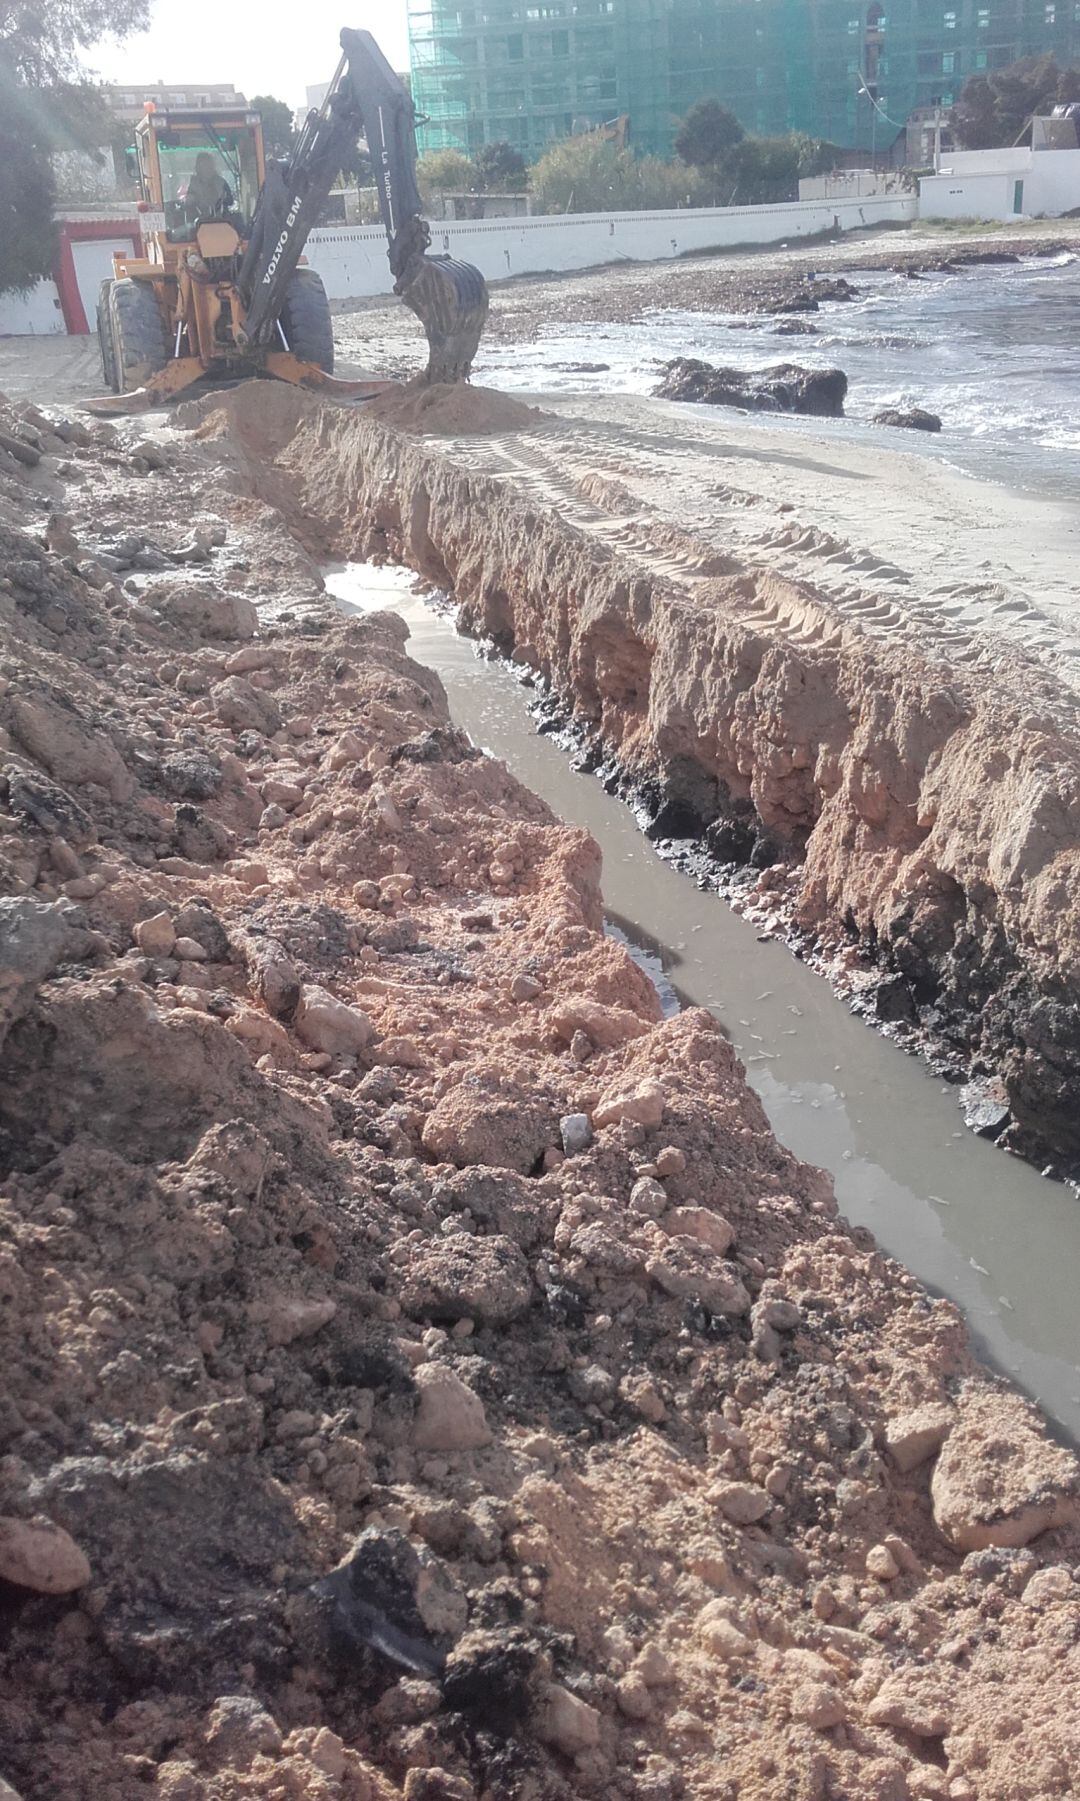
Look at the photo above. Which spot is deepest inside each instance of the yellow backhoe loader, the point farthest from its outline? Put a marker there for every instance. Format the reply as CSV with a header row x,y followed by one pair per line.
x,y
219,288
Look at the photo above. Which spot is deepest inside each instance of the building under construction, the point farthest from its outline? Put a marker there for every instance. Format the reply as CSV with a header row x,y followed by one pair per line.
x,y
530,71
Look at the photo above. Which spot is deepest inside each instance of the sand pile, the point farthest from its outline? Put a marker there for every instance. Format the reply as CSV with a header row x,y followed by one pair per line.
x,y
451,410
261,415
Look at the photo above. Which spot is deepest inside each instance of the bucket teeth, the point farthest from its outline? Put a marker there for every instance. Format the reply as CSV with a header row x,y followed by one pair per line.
x,y
450,299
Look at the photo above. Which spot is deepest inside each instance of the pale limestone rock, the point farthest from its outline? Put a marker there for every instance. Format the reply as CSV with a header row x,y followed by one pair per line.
x,y
253,656
277,793
155,935
450,1416
632,1697
916,1701
817,1704
248,874
189,950
1055,1583
286,1320
881,1564
642,1102
327,1024
653,1665
648,1200
710,1229
743,1503
568,1723
346,749
719,1633
257,1030
998,1479
39,1555
912,1438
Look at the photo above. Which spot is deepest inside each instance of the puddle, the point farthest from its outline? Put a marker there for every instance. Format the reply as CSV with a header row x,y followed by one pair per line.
x,y
969,1220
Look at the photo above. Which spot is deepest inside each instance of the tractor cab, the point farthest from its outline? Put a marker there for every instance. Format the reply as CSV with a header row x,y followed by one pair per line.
x,y
196,166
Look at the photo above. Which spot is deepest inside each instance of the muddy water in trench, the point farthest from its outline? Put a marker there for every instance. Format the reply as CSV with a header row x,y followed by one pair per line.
x,y
970,1221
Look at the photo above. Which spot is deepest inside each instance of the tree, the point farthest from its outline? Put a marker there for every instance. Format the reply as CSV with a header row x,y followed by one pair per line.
x,y
47,105
500,169
444,172
663,185
762,170
815,156
585,175
707,133
993,110
279,135
357,171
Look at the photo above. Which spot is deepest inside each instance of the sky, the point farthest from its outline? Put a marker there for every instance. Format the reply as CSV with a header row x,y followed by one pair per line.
x,y
254,44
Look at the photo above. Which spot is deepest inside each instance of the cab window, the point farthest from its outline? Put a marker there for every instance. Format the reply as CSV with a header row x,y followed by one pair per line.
x,y
207,173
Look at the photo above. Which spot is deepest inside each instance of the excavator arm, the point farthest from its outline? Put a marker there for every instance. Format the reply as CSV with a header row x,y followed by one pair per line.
x,y
365,100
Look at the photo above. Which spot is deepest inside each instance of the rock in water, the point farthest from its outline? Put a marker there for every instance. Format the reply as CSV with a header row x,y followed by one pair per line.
x,y
985,1107
781,388
912,418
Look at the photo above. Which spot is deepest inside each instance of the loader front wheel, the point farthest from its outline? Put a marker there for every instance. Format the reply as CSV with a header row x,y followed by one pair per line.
x,y
305,320
105,336
139,338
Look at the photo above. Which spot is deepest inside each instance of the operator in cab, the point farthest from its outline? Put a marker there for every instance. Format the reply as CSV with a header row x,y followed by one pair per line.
x,y
208,193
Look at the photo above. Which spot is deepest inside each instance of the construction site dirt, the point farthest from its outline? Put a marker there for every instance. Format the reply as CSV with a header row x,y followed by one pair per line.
x,y
427,1375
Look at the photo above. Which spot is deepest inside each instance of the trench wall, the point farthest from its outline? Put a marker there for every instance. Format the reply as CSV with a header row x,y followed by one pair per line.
x,y
352,259
923,809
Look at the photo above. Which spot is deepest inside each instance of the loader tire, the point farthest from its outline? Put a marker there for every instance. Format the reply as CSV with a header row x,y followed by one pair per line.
x,y
305,320
140,341
105,337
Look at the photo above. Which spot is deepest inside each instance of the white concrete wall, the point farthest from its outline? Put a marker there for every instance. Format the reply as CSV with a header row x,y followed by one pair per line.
x,y
1013,161
853,184
1052,184
980,184
967,196
36,314
352,259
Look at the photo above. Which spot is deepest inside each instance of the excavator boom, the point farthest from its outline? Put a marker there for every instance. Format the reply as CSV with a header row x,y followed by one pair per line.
x,y
365,99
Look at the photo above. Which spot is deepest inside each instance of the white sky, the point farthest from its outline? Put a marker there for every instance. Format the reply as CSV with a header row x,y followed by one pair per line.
x,y
263,48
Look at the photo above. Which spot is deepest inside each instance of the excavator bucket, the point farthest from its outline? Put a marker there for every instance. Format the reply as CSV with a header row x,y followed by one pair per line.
x,y
177,375
450,299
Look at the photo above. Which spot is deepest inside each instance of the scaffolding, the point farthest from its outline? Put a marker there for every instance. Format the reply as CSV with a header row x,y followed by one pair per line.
x,y
485,71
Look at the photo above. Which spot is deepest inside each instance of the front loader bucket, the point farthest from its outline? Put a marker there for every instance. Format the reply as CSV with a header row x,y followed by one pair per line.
x,y
108,406
450,299
180,373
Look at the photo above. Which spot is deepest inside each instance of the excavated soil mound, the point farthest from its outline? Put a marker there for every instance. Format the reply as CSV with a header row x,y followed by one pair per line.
x,y
425,1376
449,409
261,415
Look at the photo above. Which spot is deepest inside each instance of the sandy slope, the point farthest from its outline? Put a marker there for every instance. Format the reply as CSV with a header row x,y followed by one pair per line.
x,y
954,558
